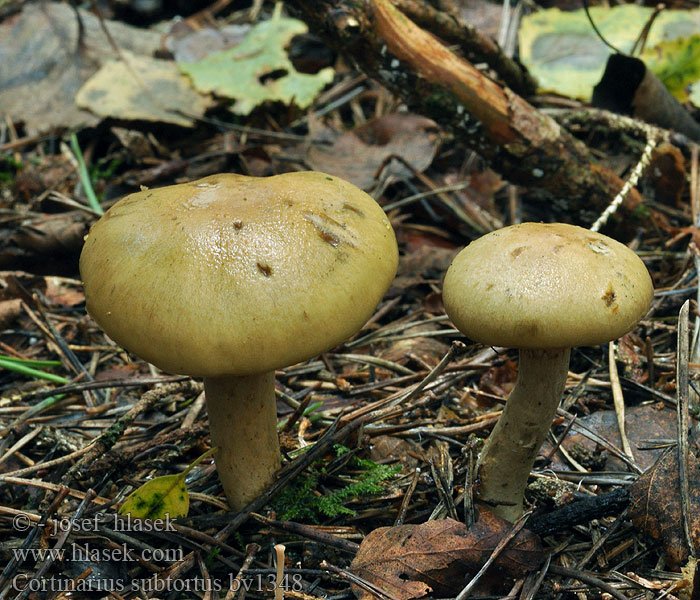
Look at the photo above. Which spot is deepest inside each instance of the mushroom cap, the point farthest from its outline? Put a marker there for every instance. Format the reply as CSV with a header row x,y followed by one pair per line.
x,y
538,285
236,275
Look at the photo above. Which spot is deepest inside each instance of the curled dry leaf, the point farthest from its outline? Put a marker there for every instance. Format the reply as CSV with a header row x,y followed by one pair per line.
x,y
655,505
60,292
357,155
411,561
55,234
666,173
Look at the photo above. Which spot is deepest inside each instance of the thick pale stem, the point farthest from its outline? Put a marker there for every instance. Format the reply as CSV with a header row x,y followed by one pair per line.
x,y
243,424
511,449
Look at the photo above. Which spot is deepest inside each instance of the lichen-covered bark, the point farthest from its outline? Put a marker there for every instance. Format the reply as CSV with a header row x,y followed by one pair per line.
x,y
525,146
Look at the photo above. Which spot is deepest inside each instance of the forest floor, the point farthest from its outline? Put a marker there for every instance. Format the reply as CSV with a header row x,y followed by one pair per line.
x,y
382,431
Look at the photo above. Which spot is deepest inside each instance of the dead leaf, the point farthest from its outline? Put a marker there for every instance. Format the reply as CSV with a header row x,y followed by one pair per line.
x,y
18,284
422,261
666,172
499,379
140,88
357,155
47,172
642,423
136,142
411,561
59,292
421,350
629,354
190,45
429,261
386,447
53,234
655,505
43,69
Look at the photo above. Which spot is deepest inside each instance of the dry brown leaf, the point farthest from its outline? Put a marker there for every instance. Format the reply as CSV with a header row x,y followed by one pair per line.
x,y
59,292
421,350
18,284
48,172
357,155
386,447
422,261
666,172
655,505
141,88
410,561
47,54
643,424
53,234
630,357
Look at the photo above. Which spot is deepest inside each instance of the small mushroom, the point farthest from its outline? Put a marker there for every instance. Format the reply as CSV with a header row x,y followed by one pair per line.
x,y
541,288
231,277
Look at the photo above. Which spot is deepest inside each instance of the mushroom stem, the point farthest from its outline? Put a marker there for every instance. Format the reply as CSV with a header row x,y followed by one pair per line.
x,y
510,451
243,424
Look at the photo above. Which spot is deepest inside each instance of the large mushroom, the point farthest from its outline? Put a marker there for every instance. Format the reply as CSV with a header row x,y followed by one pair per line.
x,y
541,288
231,277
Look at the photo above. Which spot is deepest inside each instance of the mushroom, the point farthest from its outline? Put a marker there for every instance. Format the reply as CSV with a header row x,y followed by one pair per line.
x,y
541,288
231,277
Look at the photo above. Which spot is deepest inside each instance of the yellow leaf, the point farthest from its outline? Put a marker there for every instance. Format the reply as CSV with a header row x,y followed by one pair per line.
x,y
162,497
159,498
142,88
561,49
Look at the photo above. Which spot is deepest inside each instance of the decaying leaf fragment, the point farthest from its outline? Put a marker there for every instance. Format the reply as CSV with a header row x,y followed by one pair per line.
x,y
258,69
142,88
410,561
655,505
360,154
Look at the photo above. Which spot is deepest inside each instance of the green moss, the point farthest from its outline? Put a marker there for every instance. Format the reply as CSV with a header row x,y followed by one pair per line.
x,y
300,502
8,167
641,213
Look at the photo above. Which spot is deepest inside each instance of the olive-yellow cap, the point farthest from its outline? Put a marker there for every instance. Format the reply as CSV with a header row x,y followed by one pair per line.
x,y
538,285
236,275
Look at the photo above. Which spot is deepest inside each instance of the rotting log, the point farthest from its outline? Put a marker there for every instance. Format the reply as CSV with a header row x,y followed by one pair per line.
x,y
524,145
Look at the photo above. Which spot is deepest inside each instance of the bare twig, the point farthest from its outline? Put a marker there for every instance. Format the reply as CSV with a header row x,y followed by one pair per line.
x,y
618,400
682,413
